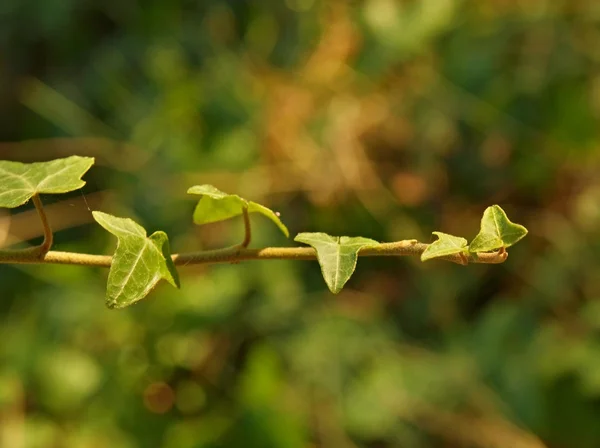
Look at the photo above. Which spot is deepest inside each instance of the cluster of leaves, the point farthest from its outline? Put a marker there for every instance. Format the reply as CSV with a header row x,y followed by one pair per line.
x,y
141,261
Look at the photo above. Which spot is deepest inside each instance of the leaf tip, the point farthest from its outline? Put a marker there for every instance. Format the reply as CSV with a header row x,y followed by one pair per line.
x,y
98,216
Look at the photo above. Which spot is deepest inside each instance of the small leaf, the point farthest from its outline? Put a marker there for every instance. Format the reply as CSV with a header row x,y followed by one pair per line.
x,y
497,231
214,206
337,255
445,245
139,261
20,181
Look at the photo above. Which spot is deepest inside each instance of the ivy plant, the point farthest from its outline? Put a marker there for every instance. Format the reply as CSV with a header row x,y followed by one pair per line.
x,y
140,261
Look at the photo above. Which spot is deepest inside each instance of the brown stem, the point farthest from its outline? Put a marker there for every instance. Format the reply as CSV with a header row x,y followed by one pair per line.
x,y
236,254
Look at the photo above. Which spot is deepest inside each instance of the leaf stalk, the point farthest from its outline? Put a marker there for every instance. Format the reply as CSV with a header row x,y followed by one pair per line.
x,y
247,228
44,248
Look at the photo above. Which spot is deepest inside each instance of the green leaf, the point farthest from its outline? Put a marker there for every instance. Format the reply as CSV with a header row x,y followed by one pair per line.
x,y
139,261
497,231
337,255
20,181
445,245
214,206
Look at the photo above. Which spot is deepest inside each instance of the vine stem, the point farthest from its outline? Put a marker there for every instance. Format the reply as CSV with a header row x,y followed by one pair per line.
x,y
237,254
48,236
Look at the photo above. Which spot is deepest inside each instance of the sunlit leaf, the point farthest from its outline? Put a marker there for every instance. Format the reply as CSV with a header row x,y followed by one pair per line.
x,y
214,206
497,231
336,254
139,261
20,181
445,245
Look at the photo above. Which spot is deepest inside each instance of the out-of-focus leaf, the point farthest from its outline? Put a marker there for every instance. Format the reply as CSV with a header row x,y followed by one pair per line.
x,y
20,181
67,377
139,261
497,231
215,205
445,245
336,254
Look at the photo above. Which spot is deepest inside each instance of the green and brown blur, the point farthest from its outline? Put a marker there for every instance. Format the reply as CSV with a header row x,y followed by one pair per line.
x,y
387,119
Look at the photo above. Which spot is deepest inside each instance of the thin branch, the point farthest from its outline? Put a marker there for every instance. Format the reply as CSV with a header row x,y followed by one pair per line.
x,y
48,237
235,254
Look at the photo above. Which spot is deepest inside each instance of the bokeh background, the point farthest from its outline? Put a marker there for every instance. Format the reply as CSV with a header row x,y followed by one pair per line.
x,y
380,118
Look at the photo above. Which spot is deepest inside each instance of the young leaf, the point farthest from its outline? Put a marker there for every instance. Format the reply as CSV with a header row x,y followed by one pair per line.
x,y
139,261
497,231
214,206
336,254
20,181
445,245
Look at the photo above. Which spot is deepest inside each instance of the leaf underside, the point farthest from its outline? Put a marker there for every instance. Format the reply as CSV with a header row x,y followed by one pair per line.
x,y
496,231
445,245
215,205
139,261
337,256
20,181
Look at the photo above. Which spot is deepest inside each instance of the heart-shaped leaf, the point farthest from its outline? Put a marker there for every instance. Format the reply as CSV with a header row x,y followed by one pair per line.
x,y
20,181
445,245
139,261
496,232
214,206
336,254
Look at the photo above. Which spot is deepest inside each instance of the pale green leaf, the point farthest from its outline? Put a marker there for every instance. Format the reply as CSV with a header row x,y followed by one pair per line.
x,y
445,245
139,261
496,232
20,181
214,206
337,255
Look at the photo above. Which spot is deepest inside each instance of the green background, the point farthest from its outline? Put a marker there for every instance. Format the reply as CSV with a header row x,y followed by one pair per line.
x,y
377,118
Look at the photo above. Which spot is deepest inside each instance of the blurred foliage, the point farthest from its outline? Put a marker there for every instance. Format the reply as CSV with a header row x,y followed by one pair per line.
x,y
382,118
